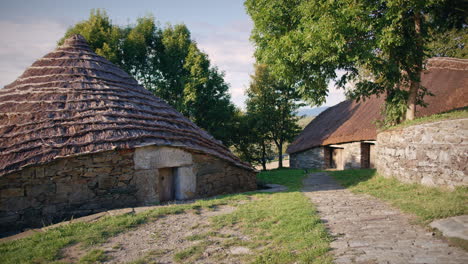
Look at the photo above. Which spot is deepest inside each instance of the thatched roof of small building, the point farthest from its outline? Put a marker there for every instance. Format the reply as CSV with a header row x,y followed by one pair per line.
x,y
349,121
72,102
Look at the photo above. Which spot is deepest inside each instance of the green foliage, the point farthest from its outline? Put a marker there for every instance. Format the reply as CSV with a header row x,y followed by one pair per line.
x,y
167,62
450,44
306,41
455,114
428,203
271,107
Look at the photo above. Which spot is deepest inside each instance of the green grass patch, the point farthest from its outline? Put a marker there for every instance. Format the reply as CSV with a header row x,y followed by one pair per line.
x,y
46,247
428,203
94,256
284,226
192,253
455,114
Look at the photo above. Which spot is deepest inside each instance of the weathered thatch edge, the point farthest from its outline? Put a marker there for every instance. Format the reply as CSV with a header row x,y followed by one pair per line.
x,y
106,79
182,147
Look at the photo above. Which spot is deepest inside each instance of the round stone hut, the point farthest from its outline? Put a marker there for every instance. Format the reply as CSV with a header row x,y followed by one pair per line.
x,y
78,135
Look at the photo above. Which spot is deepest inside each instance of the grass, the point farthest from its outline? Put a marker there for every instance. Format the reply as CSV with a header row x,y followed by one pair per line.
x,y
94,256
46,247
455,114
191,253
283,227
427,203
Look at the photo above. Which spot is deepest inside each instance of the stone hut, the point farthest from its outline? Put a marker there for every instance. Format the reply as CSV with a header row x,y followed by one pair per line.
x,y
344,136
78,135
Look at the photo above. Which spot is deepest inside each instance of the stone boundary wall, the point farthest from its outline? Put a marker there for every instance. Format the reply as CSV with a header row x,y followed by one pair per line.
x,y
432,154
313,158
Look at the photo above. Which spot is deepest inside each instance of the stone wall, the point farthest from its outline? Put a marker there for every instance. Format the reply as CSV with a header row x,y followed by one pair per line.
x,y
68,187
319,157
351,155
83,185
310,159
215,176
433,154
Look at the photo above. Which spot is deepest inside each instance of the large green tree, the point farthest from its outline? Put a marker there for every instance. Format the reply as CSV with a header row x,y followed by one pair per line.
x,y
167,62
306,41
272,104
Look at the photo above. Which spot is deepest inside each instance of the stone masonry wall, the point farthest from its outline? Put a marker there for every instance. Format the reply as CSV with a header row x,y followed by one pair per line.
x,y
433,154
310,159
351,155
216,176
83,185
68,187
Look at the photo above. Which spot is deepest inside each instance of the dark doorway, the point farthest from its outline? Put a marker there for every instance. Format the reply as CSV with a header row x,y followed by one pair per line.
x,y
166,184
367,155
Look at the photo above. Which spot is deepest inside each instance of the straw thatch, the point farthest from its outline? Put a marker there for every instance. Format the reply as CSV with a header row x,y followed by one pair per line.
x,y
446,78
73,102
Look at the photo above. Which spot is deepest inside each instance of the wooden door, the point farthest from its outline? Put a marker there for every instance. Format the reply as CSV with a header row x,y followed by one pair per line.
x,y
337,158
166,186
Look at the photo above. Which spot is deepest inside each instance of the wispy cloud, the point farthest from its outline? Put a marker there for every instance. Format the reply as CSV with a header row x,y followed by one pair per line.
x,y
230,50
23,43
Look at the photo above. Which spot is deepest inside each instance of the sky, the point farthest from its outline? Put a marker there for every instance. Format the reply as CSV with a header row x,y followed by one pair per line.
x,y
221,28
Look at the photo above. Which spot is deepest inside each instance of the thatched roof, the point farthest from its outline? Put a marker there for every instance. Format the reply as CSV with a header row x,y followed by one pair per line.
x,y
348,121
73,102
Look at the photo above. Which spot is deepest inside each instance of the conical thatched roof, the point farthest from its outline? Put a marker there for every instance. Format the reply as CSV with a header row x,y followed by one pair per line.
x,y
348,121
72,102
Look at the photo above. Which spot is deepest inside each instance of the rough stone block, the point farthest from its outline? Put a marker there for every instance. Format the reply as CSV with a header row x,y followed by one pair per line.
x,y
152,157
12,192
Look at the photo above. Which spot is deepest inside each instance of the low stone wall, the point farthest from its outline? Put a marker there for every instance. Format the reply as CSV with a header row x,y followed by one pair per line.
x,y
65,188
215,176
313,158
83,185
433,154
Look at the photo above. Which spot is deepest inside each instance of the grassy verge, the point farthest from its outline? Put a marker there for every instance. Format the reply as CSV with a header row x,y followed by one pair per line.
x,y
455,114
427,203
46,247
285,227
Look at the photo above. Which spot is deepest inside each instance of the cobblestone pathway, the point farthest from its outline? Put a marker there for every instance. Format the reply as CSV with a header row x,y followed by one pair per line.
x,y
367,230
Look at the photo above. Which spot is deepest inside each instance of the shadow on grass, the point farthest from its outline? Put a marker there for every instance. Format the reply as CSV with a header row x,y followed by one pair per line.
x,y
350,178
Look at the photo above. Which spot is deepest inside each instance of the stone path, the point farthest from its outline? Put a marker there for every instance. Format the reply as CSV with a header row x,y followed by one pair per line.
x,y
367,230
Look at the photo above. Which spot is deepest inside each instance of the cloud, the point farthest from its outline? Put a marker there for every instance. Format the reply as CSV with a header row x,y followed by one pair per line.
x,y
23,43
229,48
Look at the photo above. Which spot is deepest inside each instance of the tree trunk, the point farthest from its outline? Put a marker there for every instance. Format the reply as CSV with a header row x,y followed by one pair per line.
x,y
264,157
411,104
280,155
416,71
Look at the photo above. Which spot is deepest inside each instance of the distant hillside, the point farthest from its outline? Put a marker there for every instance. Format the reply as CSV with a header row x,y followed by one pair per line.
x,y
303,122
311,111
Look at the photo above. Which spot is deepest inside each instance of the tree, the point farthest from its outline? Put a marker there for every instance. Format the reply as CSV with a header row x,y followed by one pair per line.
x,y
251,143
272,105
168,63
305,42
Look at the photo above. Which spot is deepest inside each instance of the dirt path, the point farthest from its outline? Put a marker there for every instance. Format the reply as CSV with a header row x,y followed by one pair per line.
x,y
367,230
178,238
